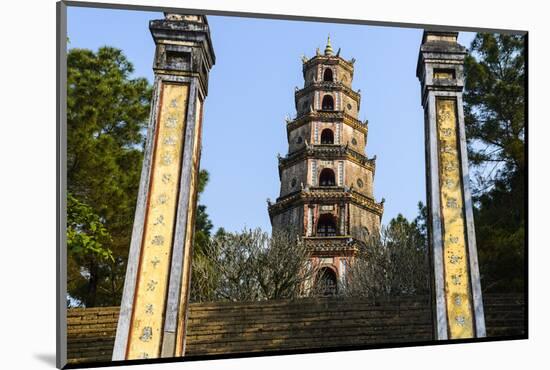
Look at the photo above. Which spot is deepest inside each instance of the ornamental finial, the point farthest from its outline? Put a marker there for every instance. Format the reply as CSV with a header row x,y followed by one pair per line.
x,y
328,48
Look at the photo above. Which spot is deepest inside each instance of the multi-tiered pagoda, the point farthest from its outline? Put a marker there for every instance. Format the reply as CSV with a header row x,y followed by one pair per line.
x,y
326,178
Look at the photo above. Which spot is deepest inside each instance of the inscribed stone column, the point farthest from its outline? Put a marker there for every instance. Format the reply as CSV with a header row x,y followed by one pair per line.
x,y
153,311
457,291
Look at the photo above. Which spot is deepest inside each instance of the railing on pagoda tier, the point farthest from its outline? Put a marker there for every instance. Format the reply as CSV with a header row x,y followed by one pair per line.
x,y
328,245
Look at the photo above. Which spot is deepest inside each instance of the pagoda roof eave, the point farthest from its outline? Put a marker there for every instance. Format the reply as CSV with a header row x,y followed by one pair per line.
x,y
325,194
328,116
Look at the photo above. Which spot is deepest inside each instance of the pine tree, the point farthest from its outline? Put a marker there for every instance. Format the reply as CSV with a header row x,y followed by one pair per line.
x,y
495,123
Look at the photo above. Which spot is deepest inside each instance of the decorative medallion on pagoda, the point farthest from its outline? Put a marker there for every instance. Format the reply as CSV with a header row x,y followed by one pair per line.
x,y
326,178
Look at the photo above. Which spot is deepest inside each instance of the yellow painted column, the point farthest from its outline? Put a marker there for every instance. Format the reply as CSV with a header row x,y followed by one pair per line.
x,y
147,319
457,291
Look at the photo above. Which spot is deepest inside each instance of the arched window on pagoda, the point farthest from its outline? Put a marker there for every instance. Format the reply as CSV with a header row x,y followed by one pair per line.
x,y
327,136
326,282
328,103
327,177
326,225
327,75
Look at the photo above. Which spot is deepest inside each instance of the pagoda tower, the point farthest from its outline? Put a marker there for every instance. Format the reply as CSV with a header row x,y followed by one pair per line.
x,y
326,192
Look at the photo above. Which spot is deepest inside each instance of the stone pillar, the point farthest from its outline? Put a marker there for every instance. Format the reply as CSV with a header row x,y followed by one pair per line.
x,y
153,310
456,284
342,217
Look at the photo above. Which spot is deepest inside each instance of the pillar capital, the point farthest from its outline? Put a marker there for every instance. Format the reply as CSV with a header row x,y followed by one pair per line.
x,y
183,46
440,63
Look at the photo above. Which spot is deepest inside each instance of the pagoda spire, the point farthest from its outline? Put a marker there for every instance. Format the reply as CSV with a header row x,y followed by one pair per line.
x,y
328,48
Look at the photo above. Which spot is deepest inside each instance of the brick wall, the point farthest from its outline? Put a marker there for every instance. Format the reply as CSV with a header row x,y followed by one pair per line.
x,y
91,333
228,327
504,315
308,323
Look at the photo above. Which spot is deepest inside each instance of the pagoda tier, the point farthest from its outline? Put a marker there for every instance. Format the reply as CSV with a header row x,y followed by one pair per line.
x,y
327,152
327,116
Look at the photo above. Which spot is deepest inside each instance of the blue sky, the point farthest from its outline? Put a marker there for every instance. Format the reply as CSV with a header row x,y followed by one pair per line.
x,y
251,90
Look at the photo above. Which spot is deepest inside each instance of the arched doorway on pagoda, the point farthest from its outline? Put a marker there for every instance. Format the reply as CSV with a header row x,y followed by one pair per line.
x,y
326,282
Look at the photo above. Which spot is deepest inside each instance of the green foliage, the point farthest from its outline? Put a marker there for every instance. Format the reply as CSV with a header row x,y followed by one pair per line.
x,y
204,276
203,224
86,233
421,225
495,123
500,232
107,112
495,101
